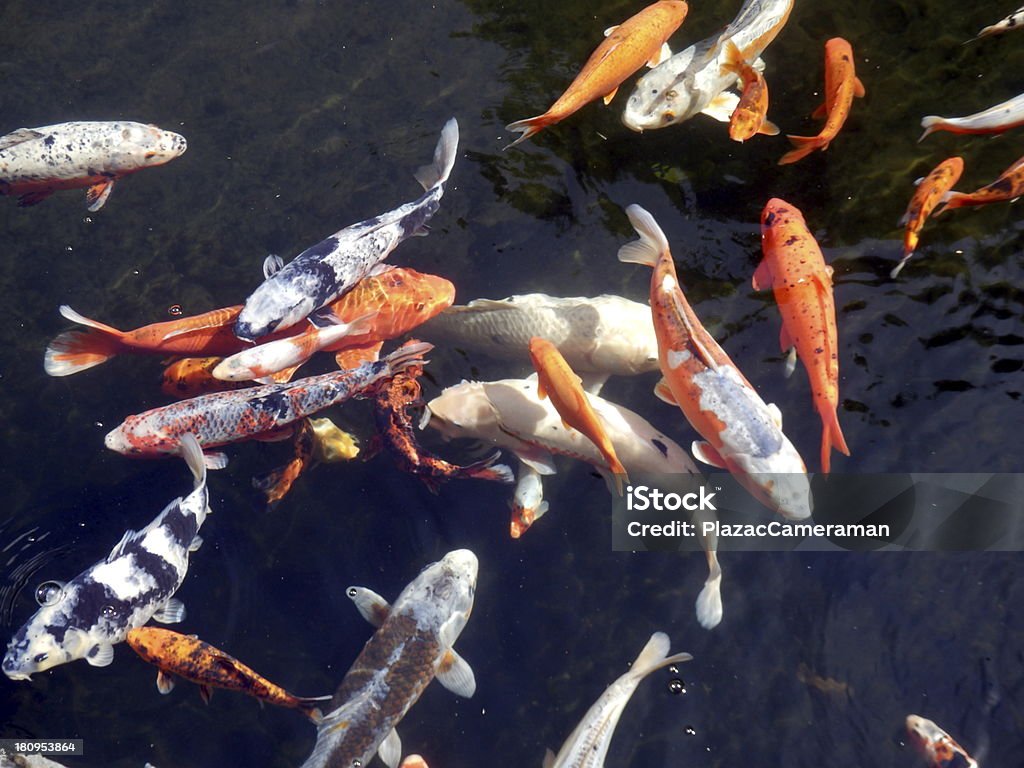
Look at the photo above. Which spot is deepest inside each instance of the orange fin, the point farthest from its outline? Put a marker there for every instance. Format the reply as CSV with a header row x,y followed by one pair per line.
x,y
528,127
831,437
785,341
858,88
804,146
610,95
97,194
762,279
821,112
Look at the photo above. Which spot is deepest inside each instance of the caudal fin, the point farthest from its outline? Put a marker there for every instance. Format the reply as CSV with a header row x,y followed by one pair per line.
x,y
652,242
528,127
654,656
488,470
74,351
804,146
831,437
437,172
931,124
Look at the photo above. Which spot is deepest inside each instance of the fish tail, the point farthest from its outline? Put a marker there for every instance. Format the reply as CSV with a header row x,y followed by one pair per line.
x,y
276,483
488,470
436,173
654,656
618,472
410,353
931,124
193,455
75,351
709,601
652,242
310,706
831,437
529,127
804,146
952,200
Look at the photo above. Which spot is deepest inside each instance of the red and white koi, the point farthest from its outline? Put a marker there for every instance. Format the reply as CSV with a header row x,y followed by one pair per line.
x,y
997,119
930,191
36,162
938,747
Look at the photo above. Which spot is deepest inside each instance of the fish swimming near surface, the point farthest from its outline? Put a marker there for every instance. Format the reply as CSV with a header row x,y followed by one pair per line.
x,y
587,746
86,617
930,191
1014,21
1009,186
315,441
191,376
188,657
794,268
751,114
412,645
557,381
741,433
639,39
695,80
333,266
527,503
1002,117
937,746
36,162
266,412
841,86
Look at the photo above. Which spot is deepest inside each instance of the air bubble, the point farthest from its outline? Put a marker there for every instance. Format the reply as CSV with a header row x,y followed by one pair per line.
x,y
676,686
108,612
174,310
50,593
691,731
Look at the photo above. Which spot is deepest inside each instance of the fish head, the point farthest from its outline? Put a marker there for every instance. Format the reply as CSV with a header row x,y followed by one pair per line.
x,y
442,595
142,146
276,304
52,636
119,440
667,94
462,411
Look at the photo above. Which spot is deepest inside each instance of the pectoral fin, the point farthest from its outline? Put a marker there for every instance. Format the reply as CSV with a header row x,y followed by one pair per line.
x,y
611,95
768,128
371,606
537,459
762,280
172,612
664,54
164,682
97,194
821,111
456,675
390,750
858,88
100,655
705,452
664,393
722,106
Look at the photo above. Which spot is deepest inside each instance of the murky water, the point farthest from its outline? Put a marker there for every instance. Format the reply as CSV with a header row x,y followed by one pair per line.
x,y
304,117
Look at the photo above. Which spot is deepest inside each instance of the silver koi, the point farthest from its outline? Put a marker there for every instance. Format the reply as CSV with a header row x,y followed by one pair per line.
x,y
1001,117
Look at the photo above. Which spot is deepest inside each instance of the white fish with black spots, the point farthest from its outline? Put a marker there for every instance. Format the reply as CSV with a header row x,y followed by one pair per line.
x,y
136,582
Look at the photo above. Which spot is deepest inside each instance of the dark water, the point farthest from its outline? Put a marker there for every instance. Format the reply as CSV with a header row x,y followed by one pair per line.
x,y
304,117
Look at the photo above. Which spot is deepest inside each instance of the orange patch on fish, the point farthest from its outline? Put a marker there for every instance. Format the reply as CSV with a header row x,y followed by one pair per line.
x,y
930,192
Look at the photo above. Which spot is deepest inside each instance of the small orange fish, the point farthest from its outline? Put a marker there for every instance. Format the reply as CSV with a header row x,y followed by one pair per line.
x,y
193,376
841,86
189,657
555,379
930,191
937,746
794,268
315,441
627,47
1009,186
750,116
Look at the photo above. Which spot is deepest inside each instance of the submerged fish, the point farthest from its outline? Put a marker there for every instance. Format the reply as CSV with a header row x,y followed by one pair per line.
x,y
187,656
333,266
191,376
1009,186
1014,21
1001,117
36,162
412,646
527,503
937,746
930,191
588,744
314,441
639,39
136,582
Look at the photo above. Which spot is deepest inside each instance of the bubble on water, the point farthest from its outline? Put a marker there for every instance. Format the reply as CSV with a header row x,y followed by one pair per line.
x,y
68,248
352,592
87,220
676,686
50,593
673,670
174,309
108,612
691,731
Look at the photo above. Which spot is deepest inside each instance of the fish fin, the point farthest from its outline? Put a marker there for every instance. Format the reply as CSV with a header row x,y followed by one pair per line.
x,y
705,452
19,137
709,601
371,606
931,124
197,542
284,375
100,655
790,363
171,612
537,459
593,382
390,749
33,198
831,437
664,54
75,351
196,462
549,759
215,460
785,340
734,60
820,112
164,682
654,656
611,29
353,357
804,146
488,470
776,414
722,106
455,674
205,693
272,265
899,267
607,98
69,314
768,128
436,173
652,242
904,218
663,392
762,279
529,127
118,549
858,88
97,194
323,318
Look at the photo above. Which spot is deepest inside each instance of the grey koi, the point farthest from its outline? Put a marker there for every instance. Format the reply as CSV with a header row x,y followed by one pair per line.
x,y
325,271
136,582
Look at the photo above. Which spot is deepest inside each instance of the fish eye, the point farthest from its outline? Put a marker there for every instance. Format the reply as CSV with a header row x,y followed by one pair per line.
x,y
39,658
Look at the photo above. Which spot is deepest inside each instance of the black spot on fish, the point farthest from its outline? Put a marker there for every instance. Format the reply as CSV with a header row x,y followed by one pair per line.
x,y
792,239
317,252
1001,185
277,404
49,141
660,446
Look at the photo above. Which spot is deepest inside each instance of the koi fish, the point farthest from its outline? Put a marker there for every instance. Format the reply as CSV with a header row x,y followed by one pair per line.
x,y
741,433
750,116
937,746
199,662
86,617
527,503
841,86
794,268
930,190
997,119
695,80
315,441
625,49
414,761
264,413
1014,21
393,398
1009,186
588,744
36,162
323,272
556,380
412,646
191,376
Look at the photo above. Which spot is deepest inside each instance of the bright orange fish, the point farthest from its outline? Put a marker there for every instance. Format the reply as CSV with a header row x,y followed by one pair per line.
x,y
841,86
189,657
1008,186
794,268
627,47
750,116
930,191
191,376
555,379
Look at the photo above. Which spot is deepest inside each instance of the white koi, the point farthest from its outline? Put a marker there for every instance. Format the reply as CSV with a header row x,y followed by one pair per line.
x,y
527,503
1014,21
1001,117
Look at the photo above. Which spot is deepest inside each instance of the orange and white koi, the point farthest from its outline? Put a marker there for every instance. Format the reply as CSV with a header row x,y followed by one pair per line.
x,y
639,39
191,376
930,191
1014,21
937,746
527,503
751,113
556,380
186,656
1009,186
997,119
36,162
841,86
794,268
741,433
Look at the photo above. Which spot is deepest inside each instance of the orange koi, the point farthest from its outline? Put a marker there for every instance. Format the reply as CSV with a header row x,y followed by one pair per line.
x,y
639,39
841,86
931,189
193,376
1009,186
555,379
315,441
353,357
750,116
199,662
794,268
937,746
